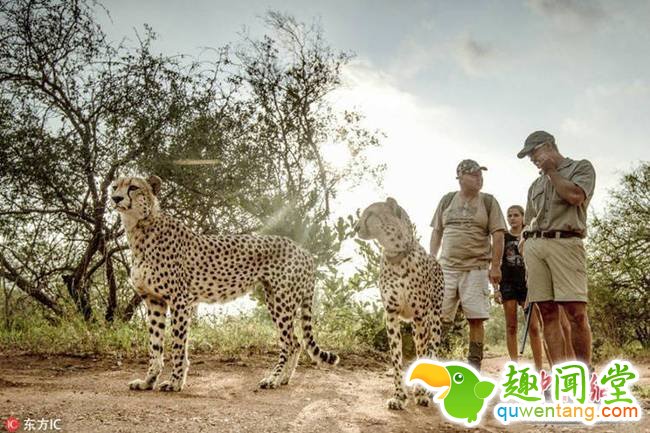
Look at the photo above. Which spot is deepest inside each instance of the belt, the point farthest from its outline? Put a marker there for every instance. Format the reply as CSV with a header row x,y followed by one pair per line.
x,y
551,234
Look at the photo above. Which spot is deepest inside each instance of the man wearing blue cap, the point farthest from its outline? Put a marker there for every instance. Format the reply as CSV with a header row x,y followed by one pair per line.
x,y
554,253
464,223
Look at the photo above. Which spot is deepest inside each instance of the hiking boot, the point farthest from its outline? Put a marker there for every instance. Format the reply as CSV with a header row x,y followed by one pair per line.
x,y
475,355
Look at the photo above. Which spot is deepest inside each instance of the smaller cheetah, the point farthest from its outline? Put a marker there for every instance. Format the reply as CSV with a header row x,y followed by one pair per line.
x,y
175,268
411,286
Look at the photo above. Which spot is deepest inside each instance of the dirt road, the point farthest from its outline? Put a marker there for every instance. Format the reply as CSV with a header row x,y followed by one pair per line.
x,y
91,395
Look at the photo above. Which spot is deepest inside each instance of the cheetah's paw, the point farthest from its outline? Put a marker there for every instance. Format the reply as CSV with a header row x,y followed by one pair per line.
x,y
269,383
140,385
395,403
168,386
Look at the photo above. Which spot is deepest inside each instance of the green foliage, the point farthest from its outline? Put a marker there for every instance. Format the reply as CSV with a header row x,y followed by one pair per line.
x,y
346,318
455,338
250,333
237,137
344,321
619,265
74,336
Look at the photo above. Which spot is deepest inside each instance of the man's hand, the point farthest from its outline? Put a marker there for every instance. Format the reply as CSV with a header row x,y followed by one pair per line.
x,y
547,165
434,244
498,298
495,275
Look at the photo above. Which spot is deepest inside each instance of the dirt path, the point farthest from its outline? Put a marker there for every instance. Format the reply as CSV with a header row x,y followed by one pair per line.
x,y
91,395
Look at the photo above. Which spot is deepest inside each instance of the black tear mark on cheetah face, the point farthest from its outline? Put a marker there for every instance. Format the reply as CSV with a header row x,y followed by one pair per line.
x,y
135,198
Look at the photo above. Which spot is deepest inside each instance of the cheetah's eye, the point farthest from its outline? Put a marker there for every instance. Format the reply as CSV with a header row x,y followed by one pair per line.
x,y
114,187
133,188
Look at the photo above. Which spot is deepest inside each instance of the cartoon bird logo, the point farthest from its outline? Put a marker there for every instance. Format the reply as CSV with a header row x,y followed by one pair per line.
x,y
466,392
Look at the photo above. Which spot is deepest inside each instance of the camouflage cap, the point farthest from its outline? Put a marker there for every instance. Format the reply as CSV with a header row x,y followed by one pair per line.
x,y
535,139
468,166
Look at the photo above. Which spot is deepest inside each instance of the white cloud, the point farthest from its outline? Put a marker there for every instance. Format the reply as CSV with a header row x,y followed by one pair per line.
x,y
421,146
424,143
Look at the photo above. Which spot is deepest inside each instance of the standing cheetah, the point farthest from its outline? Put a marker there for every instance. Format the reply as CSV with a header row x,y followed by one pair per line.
x,y
175,268
411,286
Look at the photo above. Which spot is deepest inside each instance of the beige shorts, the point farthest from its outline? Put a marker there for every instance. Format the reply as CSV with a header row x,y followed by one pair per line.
x,y
557,270
469,288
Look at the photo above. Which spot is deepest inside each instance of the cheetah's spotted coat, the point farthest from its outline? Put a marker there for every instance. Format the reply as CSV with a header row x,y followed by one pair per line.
x,y
411,286
175,268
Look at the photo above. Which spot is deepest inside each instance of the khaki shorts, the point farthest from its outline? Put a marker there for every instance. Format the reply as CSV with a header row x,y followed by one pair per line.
x,y
469,288
557,270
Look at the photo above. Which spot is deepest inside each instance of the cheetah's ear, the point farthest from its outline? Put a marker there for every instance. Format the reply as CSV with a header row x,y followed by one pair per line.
x,y
392,204
155,183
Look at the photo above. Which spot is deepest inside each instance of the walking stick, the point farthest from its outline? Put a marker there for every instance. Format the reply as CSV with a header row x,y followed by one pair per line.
x,y
529,314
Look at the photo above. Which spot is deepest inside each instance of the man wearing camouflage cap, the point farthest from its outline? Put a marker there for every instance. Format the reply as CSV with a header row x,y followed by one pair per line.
x,y
554,254
464,223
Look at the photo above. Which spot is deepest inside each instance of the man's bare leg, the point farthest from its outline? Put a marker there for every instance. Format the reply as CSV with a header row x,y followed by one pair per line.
x,y
566,330
534,332
580,330
476,335
552,330
510,312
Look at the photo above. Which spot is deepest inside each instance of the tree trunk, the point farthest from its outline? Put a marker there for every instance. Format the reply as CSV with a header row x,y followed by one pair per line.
x,y
8,272
131,307
77,283
79,295
112,290
643,336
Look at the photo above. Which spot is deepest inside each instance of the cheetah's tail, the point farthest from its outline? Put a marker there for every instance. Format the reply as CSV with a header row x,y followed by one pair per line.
x,y
315,353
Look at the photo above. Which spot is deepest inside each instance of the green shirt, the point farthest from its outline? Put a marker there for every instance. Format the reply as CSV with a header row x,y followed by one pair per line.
x,y
546,210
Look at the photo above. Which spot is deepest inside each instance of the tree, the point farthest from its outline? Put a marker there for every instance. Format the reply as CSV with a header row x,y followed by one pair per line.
x,y
238,141
75,111
291,77
619,262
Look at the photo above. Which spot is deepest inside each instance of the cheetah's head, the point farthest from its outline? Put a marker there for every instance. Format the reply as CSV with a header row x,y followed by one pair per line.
x,y
136,198
389,224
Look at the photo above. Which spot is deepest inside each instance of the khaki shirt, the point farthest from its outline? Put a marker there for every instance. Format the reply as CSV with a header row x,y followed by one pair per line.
x,y
466,228
546,210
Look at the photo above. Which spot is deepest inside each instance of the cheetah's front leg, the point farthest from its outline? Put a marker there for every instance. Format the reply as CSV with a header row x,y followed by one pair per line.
x,y
398,400
425,348
181,315
156,312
